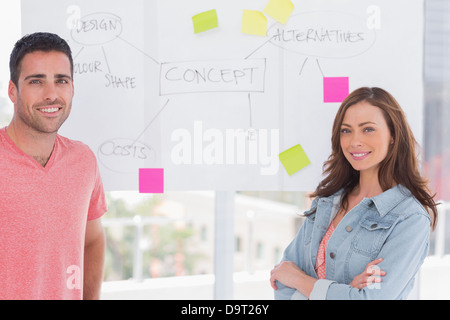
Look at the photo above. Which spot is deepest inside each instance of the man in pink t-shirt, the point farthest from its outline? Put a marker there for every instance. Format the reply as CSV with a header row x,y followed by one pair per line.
x,y
51,195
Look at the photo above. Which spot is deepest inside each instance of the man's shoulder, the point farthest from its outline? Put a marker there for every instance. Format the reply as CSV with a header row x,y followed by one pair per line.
x,y
75,147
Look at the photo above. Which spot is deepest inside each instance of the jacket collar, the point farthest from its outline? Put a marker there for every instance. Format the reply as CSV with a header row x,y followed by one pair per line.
x,y
383,202
389,199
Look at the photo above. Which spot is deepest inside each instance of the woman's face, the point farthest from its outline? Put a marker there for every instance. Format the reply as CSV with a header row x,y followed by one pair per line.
x,y
365,136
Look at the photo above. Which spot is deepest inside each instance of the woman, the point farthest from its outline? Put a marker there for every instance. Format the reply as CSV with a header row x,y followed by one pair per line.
x,y
367,232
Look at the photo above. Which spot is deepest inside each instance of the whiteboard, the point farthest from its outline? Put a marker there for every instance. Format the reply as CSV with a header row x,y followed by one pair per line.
x,y
215,109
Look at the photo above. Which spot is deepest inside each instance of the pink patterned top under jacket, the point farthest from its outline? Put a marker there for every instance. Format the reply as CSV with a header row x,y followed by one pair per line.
x,y
321,255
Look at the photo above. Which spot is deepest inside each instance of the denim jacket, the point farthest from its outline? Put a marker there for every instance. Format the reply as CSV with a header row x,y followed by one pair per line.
x,y
393,226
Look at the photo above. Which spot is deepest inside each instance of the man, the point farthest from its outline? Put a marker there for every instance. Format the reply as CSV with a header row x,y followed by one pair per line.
x,y
51,195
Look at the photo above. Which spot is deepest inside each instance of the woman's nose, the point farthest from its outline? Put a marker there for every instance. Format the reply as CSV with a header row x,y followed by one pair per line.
x,y
356,141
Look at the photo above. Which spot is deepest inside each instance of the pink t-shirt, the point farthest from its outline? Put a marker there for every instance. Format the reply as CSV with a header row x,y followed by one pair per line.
x,y
43,215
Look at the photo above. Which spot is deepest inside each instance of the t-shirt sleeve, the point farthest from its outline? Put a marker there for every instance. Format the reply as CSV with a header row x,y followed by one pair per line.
x,y
97,205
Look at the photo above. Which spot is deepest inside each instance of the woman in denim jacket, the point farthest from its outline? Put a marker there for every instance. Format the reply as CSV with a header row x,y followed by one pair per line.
x,y
371,216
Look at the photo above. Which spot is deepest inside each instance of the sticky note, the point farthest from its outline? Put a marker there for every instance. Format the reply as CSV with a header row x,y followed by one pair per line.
x,y
280,10
294,159
335,89
151,180
205,21
254,22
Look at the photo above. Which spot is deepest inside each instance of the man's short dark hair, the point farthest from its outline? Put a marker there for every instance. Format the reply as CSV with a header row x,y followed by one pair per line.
x,y
39,41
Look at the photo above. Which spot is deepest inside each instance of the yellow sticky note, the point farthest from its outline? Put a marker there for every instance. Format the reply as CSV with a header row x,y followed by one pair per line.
x,y
280,10
254,22
205,21
294,159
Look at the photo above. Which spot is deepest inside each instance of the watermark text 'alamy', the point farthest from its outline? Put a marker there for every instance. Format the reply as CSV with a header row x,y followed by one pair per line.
x,y
227,147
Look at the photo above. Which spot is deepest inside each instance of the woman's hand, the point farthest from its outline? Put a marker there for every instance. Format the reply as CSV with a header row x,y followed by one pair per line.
x,y
371,274
287,273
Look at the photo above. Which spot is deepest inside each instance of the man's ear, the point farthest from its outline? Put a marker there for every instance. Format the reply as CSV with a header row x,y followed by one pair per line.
x,y
12,92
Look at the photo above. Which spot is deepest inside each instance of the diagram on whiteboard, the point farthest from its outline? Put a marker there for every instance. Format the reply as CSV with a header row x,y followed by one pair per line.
x,y
222,95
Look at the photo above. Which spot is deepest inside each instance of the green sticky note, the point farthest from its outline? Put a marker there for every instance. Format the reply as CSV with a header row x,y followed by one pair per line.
x,y
294,159
280,10
254,22
205,21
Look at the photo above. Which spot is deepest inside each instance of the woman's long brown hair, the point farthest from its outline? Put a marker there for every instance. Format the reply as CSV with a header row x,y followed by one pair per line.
x,y
399,166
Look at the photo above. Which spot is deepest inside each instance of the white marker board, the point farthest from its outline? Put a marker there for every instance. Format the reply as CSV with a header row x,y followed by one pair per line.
x,y
215,109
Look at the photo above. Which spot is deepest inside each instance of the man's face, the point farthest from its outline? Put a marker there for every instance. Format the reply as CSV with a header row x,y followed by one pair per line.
x,y
43,98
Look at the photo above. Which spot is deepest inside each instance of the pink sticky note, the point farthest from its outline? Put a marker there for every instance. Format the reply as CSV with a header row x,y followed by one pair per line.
x,y
151,180
335,89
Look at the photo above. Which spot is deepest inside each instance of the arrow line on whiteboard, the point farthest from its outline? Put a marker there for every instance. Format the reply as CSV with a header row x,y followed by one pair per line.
x,y
133,46
75,56
259,47
151,122
317,60
250,108
106,59
303,65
